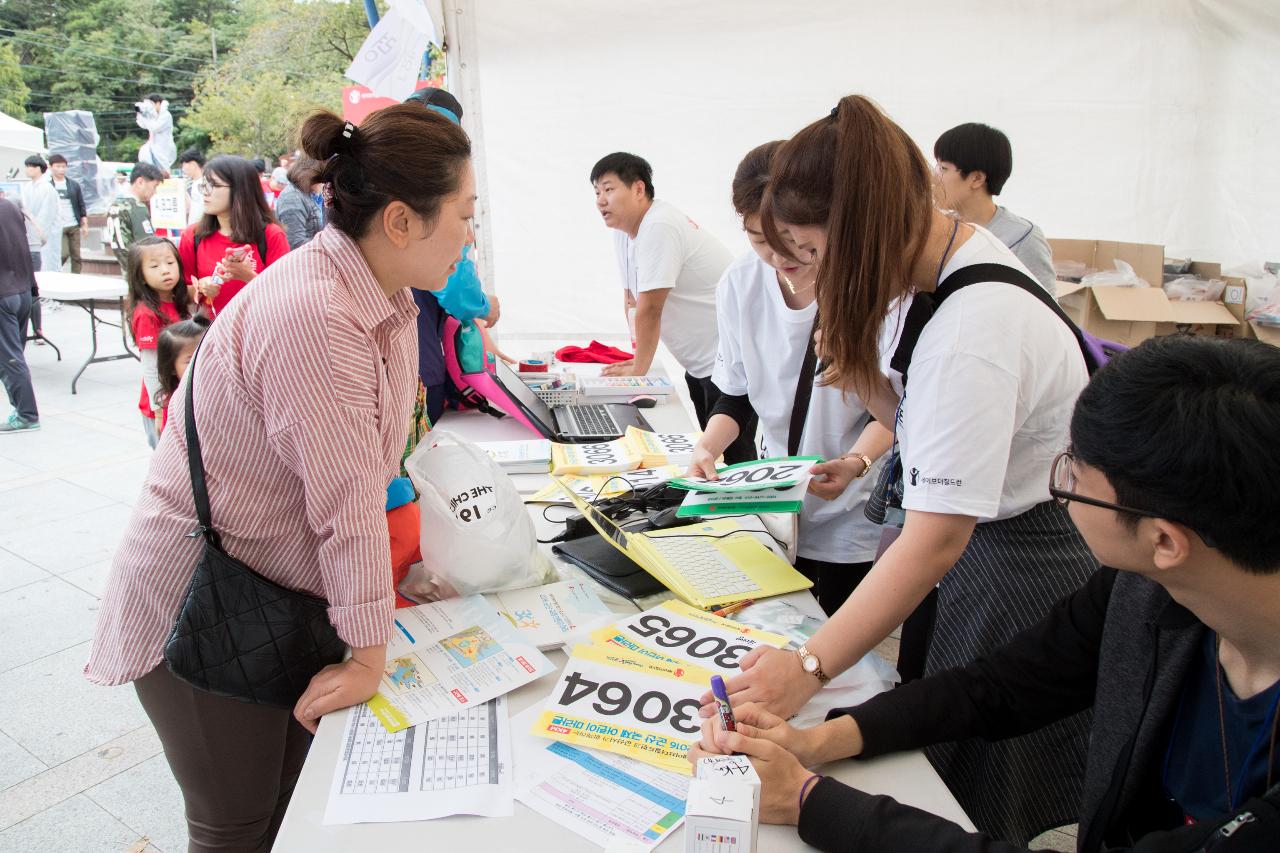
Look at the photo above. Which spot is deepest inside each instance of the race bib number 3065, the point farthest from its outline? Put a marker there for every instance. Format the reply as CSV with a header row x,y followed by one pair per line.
x,y
678,631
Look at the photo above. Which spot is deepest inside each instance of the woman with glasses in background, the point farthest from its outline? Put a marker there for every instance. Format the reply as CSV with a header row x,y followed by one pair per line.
x,y
236,239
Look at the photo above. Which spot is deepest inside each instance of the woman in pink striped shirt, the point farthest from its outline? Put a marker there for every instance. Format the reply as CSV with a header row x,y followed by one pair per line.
x,y
304,388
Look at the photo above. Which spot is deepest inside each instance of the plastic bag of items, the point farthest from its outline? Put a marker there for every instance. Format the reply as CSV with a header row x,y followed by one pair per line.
x,y
1190,288
1122,276
1267,312
74,135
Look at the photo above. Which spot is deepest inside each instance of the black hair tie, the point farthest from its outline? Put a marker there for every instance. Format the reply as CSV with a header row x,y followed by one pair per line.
x,y
835,110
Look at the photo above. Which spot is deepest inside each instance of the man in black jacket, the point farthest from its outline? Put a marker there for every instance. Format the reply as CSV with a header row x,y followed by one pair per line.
x,y
75,219
1172,480
16,281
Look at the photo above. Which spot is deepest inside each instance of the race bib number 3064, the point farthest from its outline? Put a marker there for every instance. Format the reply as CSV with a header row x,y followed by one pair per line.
x,y
642,712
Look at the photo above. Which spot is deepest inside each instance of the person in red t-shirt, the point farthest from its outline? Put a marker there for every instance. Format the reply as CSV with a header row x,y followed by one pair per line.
x,y
237,238
156,299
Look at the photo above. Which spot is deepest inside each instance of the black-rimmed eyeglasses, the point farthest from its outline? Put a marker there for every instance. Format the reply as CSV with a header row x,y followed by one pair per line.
x,y
1062,488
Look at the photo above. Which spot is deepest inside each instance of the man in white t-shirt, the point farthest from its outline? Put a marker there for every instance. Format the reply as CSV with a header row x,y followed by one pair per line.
x,y
669,269
191,162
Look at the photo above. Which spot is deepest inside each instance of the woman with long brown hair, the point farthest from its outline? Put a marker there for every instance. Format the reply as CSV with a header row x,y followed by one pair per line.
x,y
766,314
993,376
238,231
301,394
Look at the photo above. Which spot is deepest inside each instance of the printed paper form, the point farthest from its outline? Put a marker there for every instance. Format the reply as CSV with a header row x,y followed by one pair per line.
x,y
450,655
599,796
458,764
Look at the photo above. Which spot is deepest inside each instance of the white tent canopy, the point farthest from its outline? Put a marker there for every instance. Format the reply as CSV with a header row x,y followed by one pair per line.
x,y
18,141
1140,120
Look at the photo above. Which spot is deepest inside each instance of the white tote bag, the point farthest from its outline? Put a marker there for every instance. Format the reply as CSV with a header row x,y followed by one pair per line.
x,y
476,534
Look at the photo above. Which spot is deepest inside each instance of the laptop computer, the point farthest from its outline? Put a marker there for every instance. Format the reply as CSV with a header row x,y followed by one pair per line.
x,y
572,424
709,564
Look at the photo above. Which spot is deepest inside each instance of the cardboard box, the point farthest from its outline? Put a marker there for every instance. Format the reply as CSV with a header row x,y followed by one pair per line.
x,y
1266,334
1147,259
1130,315
1222,318
1126,315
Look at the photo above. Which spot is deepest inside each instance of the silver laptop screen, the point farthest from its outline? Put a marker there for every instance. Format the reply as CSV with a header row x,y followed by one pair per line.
x,y
516,387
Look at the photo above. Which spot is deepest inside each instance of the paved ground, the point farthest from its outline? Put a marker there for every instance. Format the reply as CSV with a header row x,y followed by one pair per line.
x,y
81,770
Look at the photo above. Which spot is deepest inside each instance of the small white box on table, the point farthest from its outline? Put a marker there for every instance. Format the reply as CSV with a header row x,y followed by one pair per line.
x,y
722,813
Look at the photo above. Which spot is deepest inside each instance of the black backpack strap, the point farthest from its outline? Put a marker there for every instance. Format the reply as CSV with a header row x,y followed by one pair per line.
x,y
961,278
804,392
920,313
262,248
195,461
999,272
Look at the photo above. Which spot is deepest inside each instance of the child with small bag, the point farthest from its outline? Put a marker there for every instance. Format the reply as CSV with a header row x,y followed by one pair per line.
x,y
156,299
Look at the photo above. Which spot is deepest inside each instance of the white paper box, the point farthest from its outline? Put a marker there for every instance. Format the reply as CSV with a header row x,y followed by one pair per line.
x,y
720,817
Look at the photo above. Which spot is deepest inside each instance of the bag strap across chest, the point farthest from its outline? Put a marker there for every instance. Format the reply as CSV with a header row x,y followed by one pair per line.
x,y
925,305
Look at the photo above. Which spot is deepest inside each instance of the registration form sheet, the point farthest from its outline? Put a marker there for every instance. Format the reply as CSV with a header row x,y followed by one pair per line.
x,y
450,655
457,764
598,795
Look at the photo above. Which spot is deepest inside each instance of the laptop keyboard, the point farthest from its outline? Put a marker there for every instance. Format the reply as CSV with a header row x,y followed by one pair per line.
x,y
593,420
703,566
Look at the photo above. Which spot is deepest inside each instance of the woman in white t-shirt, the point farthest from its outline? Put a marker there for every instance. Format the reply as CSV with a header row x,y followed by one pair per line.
x,y
766,314
993,379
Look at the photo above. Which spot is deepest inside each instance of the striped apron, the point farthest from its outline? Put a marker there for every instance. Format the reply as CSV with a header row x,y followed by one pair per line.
x,y
1009,576
1012,572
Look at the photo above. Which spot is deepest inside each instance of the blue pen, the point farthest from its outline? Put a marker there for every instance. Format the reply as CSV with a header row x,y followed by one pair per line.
x,y
727,722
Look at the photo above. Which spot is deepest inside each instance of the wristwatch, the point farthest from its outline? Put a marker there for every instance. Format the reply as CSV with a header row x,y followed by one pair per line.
x,y
809,663
866,463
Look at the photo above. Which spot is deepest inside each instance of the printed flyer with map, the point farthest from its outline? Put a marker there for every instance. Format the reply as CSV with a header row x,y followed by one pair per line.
x,y
448,656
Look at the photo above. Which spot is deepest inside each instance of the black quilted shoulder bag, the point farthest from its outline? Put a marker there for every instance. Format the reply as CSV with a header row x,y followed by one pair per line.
x,y
239,635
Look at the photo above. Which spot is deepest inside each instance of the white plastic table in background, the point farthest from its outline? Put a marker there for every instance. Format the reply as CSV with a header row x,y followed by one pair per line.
x,y
907,777
89,292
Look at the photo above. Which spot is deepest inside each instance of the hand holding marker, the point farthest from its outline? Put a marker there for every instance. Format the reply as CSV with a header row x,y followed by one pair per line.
x,y
727,722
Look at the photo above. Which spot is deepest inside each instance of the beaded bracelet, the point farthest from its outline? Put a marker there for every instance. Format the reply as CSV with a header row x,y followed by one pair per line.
x,y
804,789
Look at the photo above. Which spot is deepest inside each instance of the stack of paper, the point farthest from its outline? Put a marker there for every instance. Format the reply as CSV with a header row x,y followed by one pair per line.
x,y
520,457
606,457
623,389
457,764
621,720
450,655
554,615
663,448
635,691
593,487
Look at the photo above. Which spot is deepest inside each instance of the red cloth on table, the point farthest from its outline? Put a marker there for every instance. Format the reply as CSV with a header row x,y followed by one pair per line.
x,y
595,353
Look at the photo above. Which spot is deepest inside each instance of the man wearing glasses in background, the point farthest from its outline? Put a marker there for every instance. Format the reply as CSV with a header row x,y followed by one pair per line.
x,y
1172,481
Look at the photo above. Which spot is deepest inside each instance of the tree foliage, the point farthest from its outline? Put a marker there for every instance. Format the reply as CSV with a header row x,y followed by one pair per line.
x,y
13,89
239,74
288,62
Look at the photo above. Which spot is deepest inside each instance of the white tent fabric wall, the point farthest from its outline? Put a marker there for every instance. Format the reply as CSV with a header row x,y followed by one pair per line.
x,y
18,141
1147,120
